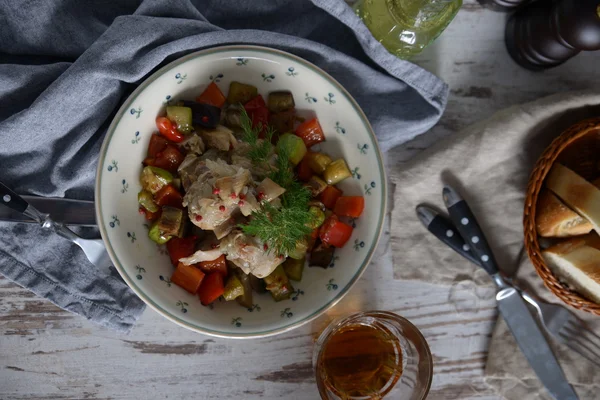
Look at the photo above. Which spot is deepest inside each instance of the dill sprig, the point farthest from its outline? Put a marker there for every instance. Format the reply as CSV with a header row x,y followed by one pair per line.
x,y
281,228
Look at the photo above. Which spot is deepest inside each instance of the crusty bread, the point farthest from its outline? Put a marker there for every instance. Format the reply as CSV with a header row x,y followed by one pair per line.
x,y
577,262
554,219
577,193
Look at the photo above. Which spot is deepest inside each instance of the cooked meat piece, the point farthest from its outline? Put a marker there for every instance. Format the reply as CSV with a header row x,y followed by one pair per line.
x,y
248,254
193,144
220,138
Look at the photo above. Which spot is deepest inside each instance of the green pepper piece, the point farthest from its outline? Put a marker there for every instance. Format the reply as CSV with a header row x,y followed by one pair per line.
x,y
233,288
294,268
156,236
278,284
182,116
153,178
245,300
145,199
294,145
241,93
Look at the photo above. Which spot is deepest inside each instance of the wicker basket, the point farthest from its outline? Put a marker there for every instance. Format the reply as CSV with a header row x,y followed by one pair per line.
x,y
577,148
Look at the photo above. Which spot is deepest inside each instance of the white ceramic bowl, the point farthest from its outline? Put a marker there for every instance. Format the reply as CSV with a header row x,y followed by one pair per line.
x,y
146,267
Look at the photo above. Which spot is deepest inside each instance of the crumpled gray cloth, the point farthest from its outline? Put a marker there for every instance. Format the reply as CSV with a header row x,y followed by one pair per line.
x,y
66,65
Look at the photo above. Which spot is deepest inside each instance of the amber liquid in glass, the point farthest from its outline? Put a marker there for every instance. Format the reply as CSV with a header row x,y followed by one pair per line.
x,y
361,361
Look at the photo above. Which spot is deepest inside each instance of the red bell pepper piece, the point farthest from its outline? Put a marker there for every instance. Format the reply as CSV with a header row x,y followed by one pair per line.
x,y
168,130
310,132
257,102
181,247
169,158
349,206
329,196
212,95
157,144
211,288
217,265
168,196
304,171
188,277
334,232
149,215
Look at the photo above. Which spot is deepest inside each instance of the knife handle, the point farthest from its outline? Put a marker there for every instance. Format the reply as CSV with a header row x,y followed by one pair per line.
x,y
445,231
469,229
11,199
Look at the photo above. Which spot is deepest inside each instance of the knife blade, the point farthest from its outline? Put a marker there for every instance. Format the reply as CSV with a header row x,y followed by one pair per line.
x,y
65,211
511,305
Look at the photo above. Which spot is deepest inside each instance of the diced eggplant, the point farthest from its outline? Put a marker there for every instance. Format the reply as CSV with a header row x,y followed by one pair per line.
x,y
321,256
204,115
318,162
293,268
146,200
153,179
283,122
336,172
241,93
232,115
170,222
233,288
245,300
316,185
280,101
182,116
278,284
258,285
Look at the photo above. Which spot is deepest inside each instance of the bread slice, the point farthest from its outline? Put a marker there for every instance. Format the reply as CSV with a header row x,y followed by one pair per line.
x,y
577,193
577,262
554,219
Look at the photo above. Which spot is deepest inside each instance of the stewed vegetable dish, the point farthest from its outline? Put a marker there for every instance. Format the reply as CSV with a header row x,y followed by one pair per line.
x,y
234,188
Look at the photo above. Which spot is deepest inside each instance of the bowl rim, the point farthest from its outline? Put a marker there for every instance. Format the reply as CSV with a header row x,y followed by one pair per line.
x,y
104,232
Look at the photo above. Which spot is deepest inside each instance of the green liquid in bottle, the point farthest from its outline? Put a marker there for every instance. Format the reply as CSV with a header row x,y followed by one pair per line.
x,y
406,27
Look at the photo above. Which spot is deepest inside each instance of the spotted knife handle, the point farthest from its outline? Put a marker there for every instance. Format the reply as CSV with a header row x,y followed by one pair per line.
x,y
466,224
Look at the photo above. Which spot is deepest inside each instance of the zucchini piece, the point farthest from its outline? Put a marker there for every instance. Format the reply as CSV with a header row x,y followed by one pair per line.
x,y
182,116
336,172
156,236
318,217
257,284
300,251
280,101
241,93
294,268
278,284
170,222
153,179
245,300
233,288
318,162
146,200
293,145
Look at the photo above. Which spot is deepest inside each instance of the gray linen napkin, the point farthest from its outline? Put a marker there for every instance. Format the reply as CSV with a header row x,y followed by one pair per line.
x,y
492,161
65,67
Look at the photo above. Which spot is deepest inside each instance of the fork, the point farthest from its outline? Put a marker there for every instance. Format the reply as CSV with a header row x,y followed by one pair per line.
x,y
566,328
94,249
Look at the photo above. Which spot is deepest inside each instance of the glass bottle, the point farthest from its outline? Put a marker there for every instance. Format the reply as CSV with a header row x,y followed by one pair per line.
x,y
406,27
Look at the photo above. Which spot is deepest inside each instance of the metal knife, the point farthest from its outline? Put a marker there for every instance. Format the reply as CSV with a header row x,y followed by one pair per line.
x,y
511,305
65,211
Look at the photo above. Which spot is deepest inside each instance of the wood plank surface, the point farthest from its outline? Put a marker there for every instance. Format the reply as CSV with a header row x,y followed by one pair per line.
x,y
47,353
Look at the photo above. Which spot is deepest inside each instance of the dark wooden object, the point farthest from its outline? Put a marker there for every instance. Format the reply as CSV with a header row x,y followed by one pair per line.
x,y
546,33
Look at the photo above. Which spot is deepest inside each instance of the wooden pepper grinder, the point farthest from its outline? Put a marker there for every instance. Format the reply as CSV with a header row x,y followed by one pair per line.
x,y
545,34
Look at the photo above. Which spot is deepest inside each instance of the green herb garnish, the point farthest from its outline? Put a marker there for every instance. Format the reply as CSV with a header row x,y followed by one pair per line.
x,y
281,228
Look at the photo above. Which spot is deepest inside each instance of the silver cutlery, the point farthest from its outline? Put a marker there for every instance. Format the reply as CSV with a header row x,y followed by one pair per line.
x,y
556,320
64,211
511,305
94,249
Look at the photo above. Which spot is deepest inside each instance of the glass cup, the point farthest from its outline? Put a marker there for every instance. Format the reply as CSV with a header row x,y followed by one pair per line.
x,y
372,355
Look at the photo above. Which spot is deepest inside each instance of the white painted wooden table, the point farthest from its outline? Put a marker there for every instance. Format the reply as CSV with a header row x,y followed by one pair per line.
x,y
49,353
